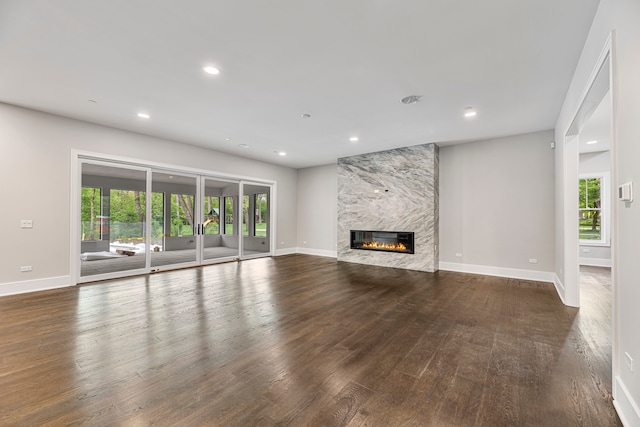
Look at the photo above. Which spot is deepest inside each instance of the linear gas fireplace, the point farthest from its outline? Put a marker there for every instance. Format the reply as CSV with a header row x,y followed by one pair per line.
x,y
385,241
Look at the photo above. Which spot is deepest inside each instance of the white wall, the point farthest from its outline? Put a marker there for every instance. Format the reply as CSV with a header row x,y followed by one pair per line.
x,y
318,210
597,162
35,169
622,16
497,206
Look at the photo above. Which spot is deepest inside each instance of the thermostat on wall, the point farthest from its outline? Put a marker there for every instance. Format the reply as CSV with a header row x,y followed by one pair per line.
x,y
625,192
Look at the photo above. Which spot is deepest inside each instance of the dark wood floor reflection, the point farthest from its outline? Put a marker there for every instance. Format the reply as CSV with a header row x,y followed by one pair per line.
x,y
302,340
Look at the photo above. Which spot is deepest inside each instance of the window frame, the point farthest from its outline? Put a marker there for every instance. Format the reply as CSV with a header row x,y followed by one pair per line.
x,y
255,215
233,213
605,209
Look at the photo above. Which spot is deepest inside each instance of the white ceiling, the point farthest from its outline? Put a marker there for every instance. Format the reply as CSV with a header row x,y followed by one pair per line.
x,y
347,63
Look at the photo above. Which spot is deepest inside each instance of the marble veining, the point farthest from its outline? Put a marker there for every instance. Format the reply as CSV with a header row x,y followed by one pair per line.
x,y
394,190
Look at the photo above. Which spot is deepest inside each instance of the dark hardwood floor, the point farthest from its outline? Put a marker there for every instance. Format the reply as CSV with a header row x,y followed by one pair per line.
x,y
301,340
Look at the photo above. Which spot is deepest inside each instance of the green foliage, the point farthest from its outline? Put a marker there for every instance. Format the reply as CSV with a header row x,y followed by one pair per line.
x,y
589,208
228,215
261,230
589,193
127,211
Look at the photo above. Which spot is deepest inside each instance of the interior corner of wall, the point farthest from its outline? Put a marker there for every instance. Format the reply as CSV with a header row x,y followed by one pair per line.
x,y
559,287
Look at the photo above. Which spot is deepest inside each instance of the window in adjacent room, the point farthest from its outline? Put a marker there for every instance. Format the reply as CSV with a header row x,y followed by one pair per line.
x,y
211,213
260,220
592,214
91,213
182,218
245,215
228,215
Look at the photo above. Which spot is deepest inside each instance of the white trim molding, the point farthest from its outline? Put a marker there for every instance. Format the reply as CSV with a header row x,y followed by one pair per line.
x,y
595,262
626,407
317,252
22,287
512,273
559,287
285,251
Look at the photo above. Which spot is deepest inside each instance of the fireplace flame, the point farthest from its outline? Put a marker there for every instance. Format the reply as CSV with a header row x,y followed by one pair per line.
x,y
386,246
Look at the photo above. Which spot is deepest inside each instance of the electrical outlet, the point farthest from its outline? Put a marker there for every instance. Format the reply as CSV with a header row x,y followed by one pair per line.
x,y
26,223
26,268
533,260
282,243
458,254
628,360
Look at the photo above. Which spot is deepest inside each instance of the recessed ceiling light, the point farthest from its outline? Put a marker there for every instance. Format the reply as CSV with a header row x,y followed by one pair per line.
x,y
243,146
411,99
93,101
353,139
592,142
281,153
211,70
143,115
470,112
227,139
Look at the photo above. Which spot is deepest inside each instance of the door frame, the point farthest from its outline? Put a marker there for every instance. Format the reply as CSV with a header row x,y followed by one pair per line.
x,y
271,210
571,241
79,156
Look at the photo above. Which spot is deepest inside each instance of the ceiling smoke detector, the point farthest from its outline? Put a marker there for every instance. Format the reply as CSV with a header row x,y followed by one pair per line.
x,y
411,99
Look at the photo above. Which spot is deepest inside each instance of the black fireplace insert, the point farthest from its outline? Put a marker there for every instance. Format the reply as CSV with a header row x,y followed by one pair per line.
x,y
385,241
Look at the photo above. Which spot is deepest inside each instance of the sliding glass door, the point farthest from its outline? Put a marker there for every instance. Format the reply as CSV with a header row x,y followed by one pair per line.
x,y
219,219
256,212
174,219
135,219
113,204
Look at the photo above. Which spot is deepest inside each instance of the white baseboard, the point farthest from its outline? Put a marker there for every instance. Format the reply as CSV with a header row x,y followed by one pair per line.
x,y
559,287
595,262
286,251
14,288
307,251
513,273
626,407
318,252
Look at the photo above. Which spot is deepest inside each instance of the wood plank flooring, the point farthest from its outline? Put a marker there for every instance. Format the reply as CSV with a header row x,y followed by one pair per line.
x,y
305,341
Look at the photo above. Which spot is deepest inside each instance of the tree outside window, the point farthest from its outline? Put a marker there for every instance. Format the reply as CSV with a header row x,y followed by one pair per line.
x,y
228,215
260,220
590,208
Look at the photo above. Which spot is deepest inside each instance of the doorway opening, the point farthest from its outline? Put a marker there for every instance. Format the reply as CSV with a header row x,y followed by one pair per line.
x,y
588,213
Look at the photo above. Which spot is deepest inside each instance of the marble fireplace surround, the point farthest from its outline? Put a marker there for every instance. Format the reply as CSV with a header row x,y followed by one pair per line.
x,y
390,191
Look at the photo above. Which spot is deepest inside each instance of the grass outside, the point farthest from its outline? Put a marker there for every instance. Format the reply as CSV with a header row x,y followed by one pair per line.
x,y
261,229
587,232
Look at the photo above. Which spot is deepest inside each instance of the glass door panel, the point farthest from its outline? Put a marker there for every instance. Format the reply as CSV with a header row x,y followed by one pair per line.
x,y
229,240
256,236
174,219
112,219
219,239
